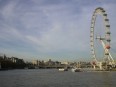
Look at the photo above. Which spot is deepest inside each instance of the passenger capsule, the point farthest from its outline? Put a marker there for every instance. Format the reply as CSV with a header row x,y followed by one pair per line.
x,y
99,8
107,25
93,63
104,14
106,53
108,32
107,46
108,40
103,10
106,19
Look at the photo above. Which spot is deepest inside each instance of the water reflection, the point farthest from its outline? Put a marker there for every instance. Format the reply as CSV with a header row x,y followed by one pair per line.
x,y
54,78
107,79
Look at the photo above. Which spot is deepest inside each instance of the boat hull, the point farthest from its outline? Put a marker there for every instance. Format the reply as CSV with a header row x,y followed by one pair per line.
x,y
63,69
76,70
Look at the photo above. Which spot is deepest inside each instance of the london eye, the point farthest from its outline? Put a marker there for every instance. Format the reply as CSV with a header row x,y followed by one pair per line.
x,y
103,39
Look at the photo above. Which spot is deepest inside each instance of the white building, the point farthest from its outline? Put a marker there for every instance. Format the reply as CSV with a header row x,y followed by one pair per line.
x,y
66,63
35,62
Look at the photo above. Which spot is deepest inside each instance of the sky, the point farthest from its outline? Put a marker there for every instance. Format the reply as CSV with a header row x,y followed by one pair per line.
x,y
51,29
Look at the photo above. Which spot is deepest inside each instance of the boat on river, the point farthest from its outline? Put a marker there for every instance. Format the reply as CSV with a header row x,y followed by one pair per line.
x,y
63,69
76,70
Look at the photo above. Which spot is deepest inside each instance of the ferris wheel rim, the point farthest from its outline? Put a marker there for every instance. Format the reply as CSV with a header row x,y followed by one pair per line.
x,y
102,12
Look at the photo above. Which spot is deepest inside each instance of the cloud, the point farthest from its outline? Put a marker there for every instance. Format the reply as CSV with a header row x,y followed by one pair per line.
x,y
54,28
8,10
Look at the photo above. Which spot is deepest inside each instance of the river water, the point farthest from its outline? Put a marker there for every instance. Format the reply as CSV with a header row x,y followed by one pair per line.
x,y
55,78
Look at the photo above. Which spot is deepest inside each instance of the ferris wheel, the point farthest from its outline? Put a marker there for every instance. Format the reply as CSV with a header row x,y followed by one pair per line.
x,y
104,40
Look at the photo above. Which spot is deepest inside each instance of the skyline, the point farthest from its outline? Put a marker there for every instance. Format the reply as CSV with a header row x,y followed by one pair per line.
x,y
54,29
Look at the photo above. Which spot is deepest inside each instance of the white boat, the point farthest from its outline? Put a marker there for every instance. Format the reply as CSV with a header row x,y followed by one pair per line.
x,y
63,69
76,69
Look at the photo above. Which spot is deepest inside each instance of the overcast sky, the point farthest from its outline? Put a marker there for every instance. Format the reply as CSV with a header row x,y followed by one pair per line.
x,y
55,29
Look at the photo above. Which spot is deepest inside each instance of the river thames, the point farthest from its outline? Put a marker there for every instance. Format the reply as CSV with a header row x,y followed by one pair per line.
x,y
54,78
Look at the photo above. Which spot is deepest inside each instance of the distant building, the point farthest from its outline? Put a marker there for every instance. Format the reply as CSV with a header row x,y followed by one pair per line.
x,y
65,63
35,62
13,59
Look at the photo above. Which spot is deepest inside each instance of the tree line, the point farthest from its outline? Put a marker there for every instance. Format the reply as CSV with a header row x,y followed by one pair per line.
x,y
11,63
